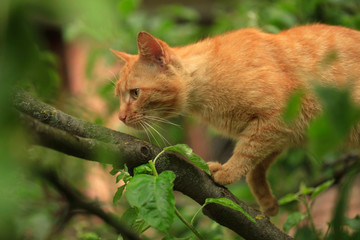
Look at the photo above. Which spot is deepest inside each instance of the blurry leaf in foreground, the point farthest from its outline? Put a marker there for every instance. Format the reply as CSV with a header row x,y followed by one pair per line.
x,y
341,206
118,194
293,107
330,129
305,233
353,223
322,137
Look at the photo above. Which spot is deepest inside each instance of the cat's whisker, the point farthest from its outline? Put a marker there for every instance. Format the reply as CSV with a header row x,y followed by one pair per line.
x,y
161,128
147,124
162,120
165,141
145,130
115,76
158,126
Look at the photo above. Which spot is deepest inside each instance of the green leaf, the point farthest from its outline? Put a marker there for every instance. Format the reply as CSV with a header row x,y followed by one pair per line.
x,y
292,220
288,198
228,203
143,169
353,223
118,193
187,152
130,216
330,129
293,107
304,190
114,171
321,188
124,175
323,138
341,205
120,177
154,198
305,233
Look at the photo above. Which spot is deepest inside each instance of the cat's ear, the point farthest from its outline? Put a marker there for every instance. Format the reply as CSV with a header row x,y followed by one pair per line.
x,y
123,57
152,49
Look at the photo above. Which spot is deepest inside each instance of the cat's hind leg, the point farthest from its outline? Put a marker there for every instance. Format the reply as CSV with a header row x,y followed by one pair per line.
x,y
260,188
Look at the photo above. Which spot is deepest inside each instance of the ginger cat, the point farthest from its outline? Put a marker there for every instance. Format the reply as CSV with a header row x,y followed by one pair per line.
x,y
239,83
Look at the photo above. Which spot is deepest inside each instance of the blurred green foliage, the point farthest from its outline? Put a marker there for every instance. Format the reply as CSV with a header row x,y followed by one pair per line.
x,y
28,212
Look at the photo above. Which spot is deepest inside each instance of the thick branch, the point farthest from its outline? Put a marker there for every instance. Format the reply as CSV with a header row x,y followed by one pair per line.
x,y
57,127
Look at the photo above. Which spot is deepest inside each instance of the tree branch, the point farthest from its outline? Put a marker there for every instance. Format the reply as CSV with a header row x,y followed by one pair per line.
x,y
70,135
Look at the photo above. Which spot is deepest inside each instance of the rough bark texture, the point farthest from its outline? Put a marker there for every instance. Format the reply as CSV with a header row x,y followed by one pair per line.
x,y
55,129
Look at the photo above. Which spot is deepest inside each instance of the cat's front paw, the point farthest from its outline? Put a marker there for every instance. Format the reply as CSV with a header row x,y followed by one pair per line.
x,y
214,167
221,174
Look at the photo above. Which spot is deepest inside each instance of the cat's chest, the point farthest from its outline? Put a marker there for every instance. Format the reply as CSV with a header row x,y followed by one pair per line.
x,y
230,123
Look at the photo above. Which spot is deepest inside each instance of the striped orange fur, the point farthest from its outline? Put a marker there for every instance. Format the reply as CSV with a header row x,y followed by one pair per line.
x,y
239,83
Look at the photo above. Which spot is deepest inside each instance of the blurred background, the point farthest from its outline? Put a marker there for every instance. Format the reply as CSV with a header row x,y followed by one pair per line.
x,y
59,52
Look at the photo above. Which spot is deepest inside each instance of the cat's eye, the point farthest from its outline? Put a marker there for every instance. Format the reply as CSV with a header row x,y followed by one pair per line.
x,y
134,93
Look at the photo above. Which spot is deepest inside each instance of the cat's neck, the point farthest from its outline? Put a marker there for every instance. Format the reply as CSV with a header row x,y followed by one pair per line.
x,y
210,91
195,59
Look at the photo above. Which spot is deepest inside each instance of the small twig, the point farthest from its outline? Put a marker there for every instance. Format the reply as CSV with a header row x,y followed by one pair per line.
x,y
346,160
60,223
349,161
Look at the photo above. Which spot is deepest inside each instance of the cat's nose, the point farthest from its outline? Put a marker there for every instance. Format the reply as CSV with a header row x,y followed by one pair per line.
x,y
122,117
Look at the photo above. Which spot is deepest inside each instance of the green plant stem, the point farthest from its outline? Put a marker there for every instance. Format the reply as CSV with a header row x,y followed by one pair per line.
x,y
197,212
157,156
308,206
188,225
152,165
155,173
327,231
145,228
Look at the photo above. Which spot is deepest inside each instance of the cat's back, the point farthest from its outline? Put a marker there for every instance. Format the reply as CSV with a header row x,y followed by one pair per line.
x,y
320,39
308,41
330,53
317,31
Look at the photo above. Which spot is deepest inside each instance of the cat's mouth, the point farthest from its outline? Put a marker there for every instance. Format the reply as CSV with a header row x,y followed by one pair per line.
x,y
137,121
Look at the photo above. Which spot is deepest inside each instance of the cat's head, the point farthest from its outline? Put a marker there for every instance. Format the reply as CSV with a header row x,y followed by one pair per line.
x,y
151,83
